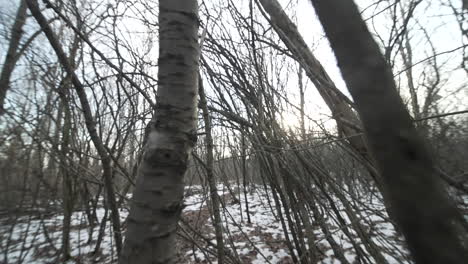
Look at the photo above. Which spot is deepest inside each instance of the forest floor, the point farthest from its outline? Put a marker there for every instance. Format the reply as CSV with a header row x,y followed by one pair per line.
x,y
37,238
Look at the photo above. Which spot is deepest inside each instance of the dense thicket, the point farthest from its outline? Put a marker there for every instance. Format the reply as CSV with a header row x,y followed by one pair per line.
x,y
80,97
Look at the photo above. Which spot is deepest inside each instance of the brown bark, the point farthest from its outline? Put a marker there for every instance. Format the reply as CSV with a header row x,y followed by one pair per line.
x,y
244,174
67,182
422,208
67,188
218,225
11,56
347,121
89,119
302,103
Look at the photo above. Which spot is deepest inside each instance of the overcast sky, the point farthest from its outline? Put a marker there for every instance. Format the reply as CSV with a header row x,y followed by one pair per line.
x,y
436,18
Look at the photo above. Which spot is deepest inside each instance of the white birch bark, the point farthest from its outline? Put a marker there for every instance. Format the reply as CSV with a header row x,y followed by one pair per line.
x,y
157,199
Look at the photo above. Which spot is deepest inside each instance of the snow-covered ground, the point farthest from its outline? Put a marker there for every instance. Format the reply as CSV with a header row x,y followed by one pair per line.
x,y
263,241
36,239
32,239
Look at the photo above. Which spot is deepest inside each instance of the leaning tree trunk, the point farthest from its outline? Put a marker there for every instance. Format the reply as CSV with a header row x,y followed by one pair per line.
x,y
347,120
33,6
424,211
11,56
157,199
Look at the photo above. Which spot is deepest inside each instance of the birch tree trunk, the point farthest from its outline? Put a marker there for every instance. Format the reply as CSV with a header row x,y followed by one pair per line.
x,y
422,208
157,199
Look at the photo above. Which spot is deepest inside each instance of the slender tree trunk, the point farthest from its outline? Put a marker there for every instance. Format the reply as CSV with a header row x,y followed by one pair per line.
x,y
313,253
347,121
157,199
302,103
89,119
407,56
67,182
244,175
424,211
11,56
210,175
67,188
102,229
